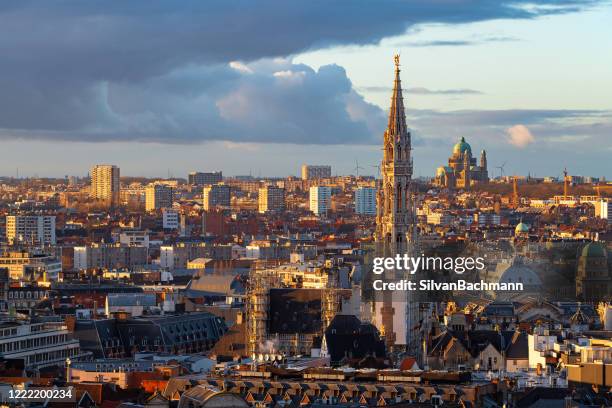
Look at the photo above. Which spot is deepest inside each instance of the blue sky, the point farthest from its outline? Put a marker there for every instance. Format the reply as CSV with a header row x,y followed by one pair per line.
x,y
155,89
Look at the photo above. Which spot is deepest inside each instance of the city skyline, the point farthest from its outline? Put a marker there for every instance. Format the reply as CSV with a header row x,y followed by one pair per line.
x,y
493,77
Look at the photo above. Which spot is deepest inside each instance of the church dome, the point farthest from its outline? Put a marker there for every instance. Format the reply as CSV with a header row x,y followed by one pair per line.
x,y
461,147
518,272
521,228
594,250
442,170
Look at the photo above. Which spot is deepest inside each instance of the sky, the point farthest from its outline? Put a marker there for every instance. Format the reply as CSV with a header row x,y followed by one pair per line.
x,y
163,88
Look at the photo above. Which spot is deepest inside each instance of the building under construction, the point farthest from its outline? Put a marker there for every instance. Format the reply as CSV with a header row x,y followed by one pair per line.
x,y
289,306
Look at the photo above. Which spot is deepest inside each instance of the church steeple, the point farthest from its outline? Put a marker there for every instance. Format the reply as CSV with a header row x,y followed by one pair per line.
x,y
397,116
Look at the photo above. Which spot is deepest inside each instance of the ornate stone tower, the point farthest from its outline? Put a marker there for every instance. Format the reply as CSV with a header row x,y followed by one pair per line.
x,y
394,205
483,160
394,312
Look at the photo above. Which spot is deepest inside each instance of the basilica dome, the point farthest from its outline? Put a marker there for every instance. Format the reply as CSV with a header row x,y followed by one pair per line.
x,y
461,147
594,250
521,228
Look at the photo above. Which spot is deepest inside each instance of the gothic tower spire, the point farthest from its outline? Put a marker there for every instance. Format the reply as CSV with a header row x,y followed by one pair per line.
x,y
397,116
395,226
394,207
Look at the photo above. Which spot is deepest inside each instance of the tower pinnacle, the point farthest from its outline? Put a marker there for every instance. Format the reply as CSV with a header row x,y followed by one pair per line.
x,y
397,116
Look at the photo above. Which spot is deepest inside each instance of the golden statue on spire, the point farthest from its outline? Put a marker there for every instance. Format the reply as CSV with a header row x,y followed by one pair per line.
x,y
396,59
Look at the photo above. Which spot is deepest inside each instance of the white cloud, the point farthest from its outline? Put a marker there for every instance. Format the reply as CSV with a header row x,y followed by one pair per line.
x,y
240,67
520,136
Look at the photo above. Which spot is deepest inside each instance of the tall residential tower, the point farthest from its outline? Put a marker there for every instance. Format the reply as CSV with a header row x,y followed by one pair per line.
x,y
105,183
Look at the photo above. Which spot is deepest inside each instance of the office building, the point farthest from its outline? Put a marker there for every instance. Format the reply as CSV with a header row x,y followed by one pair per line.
x,y
39,345
31,265
216,195
30,229
105,183
271,199
310,172
320,199
202,179
365,201
158,196
170,219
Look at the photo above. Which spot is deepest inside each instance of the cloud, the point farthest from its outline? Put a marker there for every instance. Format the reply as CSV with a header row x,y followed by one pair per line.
x,y
201,71
456,43
268,101
423,91
520,136
556,129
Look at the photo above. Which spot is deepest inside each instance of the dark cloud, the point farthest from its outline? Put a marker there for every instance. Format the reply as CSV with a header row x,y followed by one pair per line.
x,y
157,70
457,43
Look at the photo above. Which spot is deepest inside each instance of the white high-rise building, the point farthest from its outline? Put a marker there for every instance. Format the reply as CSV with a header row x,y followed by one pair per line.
x,y
310,172
271,198
30,229
158,196
320,199
105,183
365,201
603,209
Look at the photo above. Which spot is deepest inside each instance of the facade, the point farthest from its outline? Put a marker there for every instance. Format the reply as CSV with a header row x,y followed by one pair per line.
x,y
30,229
394,313
31,265
178,255
603,209
320,199
593,278
190,333
271,199
105,183
310,172
134,237
23,299
462,170
109,256
170,219
216,195
365,201
39,344
202,179
158,196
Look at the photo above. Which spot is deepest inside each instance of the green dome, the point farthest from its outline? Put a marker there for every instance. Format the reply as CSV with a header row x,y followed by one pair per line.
x,y
462,146
521,227
594,250
443,169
